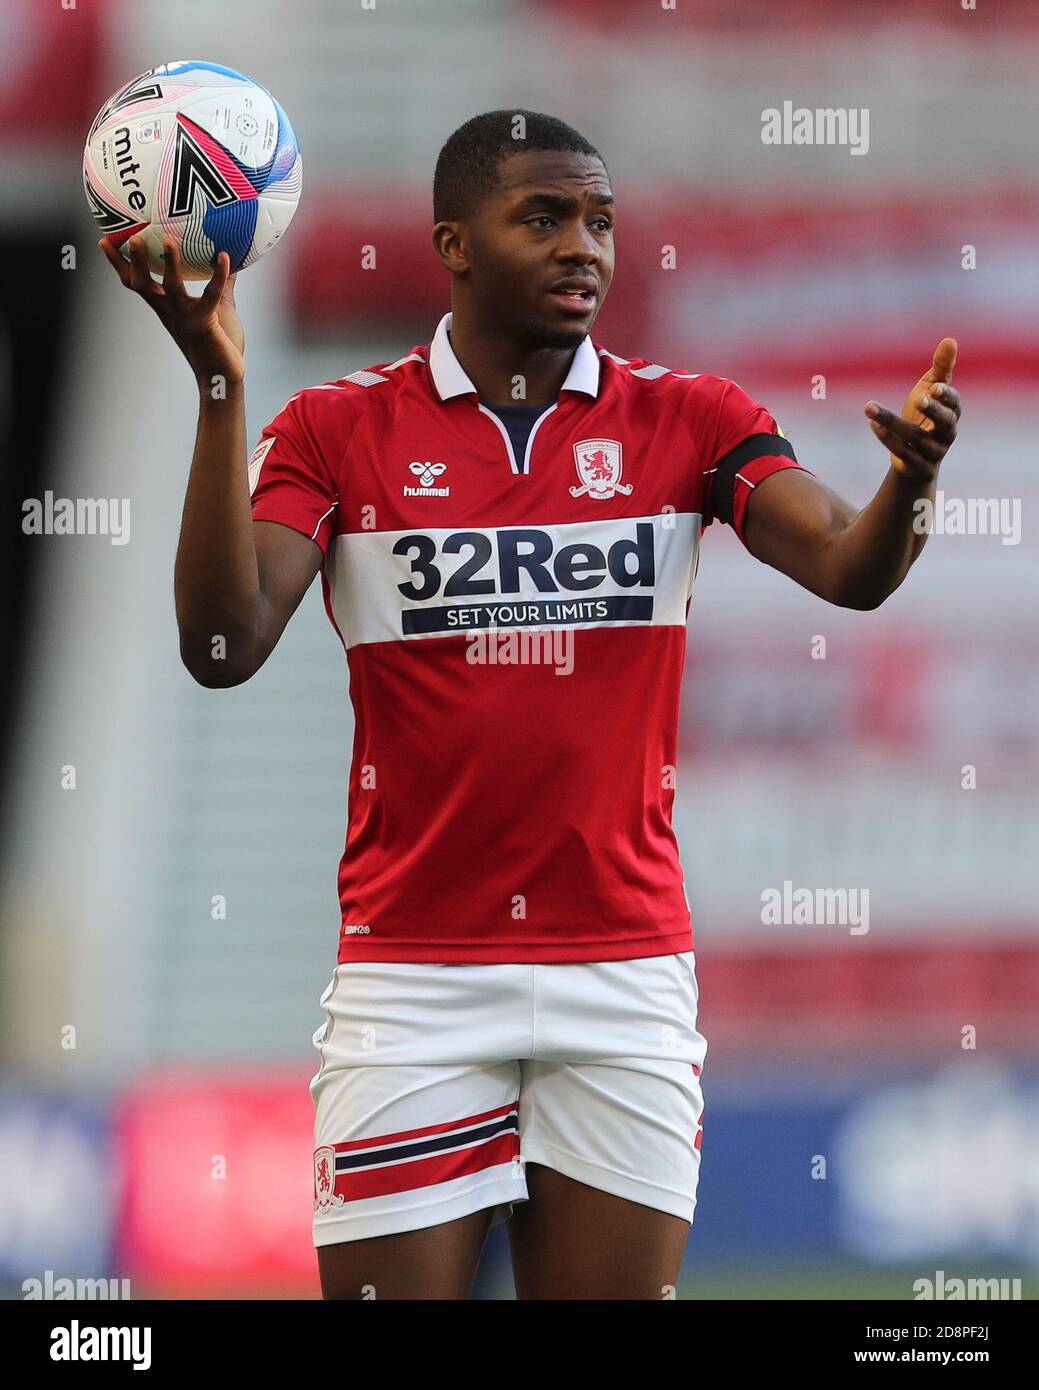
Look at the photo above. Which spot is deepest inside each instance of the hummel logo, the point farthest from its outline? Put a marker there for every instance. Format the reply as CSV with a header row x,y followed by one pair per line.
x,y
427,474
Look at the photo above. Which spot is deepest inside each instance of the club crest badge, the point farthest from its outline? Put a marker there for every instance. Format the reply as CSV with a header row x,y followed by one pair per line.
x,y
325,1196
598,463
256,461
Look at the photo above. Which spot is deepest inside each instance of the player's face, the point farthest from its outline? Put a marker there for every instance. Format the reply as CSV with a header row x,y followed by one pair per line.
x,y
551,221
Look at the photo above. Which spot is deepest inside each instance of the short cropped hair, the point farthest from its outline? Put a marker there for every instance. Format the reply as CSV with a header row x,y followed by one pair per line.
x,y
468,166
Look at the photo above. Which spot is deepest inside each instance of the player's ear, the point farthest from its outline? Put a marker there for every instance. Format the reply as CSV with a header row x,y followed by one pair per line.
x,y
450,245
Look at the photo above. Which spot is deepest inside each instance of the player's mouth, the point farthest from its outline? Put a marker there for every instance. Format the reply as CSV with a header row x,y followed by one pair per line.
x,y
580,296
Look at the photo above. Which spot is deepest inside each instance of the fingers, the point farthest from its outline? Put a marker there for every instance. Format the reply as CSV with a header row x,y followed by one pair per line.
x,y
136,275
942,418
949,396
117,259
172,276
140,276
913,457
913,452
221,277
944,360
886,422
906,440
917,443
918,448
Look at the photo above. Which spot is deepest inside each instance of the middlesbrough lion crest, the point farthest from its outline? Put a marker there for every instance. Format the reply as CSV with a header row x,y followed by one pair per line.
x,y
599,466
325,1195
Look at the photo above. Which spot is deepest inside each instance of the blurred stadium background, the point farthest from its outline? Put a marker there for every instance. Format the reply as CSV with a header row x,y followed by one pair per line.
x,y
192,1035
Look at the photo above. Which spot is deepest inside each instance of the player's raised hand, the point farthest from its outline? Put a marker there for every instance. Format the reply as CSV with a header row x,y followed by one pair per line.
x,y
920,438
205,327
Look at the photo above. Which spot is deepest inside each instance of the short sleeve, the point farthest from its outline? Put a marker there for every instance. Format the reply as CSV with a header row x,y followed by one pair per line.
x,y
749,446
294,469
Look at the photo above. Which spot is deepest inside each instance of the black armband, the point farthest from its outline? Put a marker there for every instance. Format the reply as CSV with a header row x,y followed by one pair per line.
x,y
754,447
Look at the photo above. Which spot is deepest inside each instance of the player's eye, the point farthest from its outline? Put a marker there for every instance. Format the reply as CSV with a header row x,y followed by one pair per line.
x,y
603,222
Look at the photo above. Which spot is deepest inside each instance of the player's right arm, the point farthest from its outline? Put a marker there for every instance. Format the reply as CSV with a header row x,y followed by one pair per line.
x,y
236,582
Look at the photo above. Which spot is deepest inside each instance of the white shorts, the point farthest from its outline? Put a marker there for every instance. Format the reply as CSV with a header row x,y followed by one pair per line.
x,y
438,1082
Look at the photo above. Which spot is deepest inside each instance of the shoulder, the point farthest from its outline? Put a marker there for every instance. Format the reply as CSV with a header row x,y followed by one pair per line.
x,y
675,384
707,404
345,400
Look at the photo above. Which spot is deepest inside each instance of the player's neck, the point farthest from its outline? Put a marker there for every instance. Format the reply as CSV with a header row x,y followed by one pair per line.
x,y
494,364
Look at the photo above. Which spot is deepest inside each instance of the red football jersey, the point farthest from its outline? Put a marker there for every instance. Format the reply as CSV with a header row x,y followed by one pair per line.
x,y
515,636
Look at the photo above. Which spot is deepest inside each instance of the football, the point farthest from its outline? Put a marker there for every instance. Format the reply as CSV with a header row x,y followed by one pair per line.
x,y
195,151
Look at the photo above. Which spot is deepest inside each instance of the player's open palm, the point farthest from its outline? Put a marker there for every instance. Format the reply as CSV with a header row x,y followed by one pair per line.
x,y
205,327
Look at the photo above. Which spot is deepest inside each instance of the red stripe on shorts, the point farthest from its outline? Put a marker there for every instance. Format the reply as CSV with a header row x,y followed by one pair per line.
x,y
425,1172
425,1131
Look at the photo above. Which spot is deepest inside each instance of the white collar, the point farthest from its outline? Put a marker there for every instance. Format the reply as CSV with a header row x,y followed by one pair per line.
x,y
450,379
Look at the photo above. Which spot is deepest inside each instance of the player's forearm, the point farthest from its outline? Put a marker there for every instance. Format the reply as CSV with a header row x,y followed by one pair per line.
x,y
216,579
874,553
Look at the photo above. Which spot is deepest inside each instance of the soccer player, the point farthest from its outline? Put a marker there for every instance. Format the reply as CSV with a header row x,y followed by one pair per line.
x,y
510,1030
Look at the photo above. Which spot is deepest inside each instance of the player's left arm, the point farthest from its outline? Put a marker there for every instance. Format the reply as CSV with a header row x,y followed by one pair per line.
x,y
857,558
